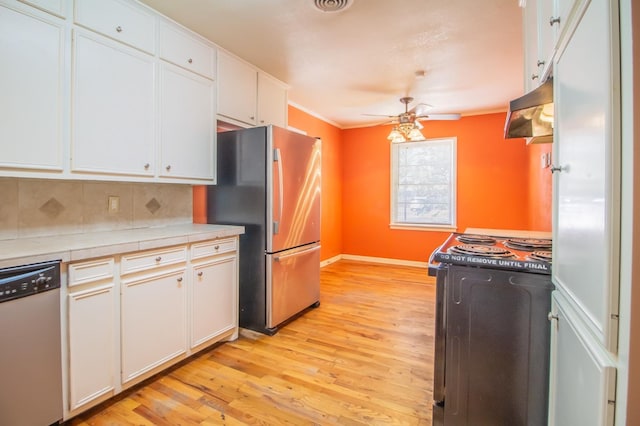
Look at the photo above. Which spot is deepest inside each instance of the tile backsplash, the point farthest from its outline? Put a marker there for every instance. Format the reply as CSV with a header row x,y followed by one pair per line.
x,y
35,207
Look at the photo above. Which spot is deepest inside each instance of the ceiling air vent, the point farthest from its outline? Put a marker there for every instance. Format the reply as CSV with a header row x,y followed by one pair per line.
x,y
332,5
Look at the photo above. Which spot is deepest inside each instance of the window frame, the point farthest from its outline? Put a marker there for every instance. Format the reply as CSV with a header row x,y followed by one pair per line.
x,y
394,169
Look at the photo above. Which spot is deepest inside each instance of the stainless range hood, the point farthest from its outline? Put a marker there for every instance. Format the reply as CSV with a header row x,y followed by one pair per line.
x,y
531,115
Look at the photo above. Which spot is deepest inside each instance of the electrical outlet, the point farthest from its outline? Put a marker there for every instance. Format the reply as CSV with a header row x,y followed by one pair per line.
x,y
114,204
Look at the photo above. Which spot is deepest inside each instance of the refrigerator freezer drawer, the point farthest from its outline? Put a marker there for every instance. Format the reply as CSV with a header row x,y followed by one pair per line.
x,y
293,282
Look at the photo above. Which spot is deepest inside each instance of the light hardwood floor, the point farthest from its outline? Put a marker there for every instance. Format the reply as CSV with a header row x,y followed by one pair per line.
x,y
364,357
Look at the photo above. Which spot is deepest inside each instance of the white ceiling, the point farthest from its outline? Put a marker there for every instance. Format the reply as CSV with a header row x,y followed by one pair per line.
x,y
361,60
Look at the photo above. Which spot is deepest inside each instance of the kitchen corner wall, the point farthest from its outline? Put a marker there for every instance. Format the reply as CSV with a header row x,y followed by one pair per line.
x,y
35,208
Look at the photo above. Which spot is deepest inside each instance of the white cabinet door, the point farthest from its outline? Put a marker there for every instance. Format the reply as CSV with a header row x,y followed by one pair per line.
x,y
272,101
112,108
237,89
214,299
187,124
121,20
92,351
32,90
530,23
583,376
55,7
184,50
586,190
153,322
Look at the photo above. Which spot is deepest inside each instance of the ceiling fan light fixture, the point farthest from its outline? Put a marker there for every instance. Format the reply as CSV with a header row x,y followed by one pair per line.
x,y
395,136
405,132
332,5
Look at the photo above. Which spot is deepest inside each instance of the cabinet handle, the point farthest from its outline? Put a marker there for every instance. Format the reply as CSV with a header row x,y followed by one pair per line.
x,y
190,60
179,279
200,274
540,63
554,20
551,316
158,259
119,29
262,121
558,168
216,247
168,167
146,166
534,76
252,118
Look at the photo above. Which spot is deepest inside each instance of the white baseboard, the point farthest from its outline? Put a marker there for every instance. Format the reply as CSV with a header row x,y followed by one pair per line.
x,y
375,260
331,260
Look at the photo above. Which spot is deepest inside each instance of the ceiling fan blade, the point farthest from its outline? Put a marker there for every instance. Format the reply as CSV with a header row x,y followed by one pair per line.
x,y
421,108
439,117
380,115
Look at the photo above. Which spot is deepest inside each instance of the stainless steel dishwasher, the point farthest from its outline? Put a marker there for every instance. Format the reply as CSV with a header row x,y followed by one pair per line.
x,y
30,355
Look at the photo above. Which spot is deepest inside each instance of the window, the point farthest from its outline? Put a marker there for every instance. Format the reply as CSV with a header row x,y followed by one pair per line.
x,y
423,184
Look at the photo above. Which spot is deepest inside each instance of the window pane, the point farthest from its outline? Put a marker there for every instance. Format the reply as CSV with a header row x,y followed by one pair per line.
x,y
424,182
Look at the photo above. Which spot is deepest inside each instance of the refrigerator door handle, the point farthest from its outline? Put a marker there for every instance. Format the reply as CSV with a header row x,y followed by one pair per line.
x,y
277,157
284,256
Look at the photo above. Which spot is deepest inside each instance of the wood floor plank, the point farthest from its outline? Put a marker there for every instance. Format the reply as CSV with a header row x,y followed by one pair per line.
x,y
363,357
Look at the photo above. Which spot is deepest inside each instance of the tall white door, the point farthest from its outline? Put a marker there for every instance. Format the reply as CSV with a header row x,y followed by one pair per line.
x,y
586,215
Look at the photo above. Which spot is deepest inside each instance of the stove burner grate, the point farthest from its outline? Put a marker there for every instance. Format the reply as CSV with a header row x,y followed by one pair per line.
x,y
476,239
528,244
540,255
482,251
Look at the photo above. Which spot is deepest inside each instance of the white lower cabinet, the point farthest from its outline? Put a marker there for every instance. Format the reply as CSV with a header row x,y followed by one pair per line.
x,y
583,376
92,333
214,299
153,322
164,305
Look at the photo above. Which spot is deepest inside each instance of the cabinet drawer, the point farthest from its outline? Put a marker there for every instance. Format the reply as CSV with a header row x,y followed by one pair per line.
x,y
152,259
212,248
119,20
187,52
87,272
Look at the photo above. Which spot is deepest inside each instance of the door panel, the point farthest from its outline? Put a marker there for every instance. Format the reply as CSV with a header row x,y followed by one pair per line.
x,y
586,189
293,282
583,376
295,199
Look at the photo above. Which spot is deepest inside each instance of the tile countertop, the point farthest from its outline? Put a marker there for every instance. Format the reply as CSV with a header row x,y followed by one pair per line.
x,y
77,247
512,233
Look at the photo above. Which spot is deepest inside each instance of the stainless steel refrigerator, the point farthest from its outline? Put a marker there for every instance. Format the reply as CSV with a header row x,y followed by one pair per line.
x,y
268,180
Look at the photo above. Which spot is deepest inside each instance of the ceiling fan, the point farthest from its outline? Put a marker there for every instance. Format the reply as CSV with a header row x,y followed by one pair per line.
x,y
407,124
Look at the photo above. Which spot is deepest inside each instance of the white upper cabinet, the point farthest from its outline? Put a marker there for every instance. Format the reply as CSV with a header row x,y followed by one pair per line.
x,y
119,92
32,87
185,51
530,26
272,101
112,108
120,20
547,23
237,89
55,7
187,124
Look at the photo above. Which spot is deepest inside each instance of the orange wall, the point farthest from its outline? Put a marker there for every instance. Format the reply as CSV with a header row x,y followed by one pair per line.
x,y
539,200
331,224
491,183
500,185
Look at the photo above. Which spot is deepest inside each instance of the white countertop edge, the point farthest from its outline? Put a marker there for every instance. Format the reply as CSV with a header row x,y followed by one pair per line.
x,y
78,247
